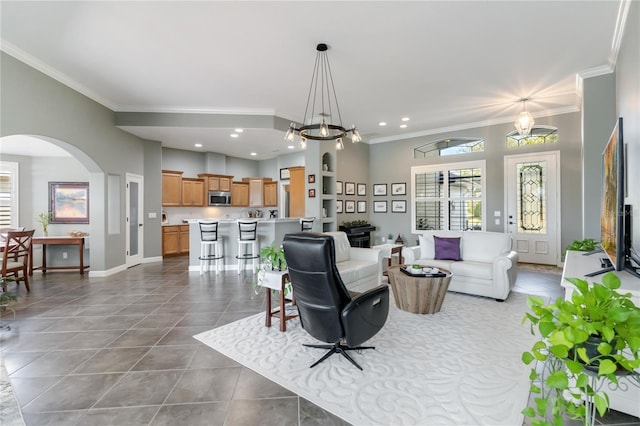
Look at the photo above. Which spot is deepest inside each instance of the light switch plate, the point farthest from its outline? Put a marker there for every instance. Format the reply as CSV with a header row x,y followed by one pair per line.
x,y
153,215
496,213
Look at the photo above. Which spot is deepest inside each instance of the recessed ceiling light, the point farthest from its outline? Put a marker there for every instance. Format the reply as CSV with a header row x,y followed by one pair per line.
x,y
291,147
198,145
402,126
239,130
234,135
405,118
253,153
382,123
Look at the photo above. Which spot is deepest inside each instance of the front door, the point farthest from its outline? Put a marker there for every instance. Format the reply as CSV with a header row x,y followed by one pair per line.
x,y
532,188
134,229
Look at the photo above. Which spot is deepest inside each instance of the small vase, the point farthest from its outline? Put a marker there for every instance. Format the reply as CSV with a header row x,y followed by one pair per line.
x,y
45,232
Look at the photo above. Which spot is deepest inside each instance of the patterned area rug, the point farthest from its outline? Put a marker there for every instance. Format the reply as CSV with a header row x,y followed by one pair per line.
x,y
9,410
460,366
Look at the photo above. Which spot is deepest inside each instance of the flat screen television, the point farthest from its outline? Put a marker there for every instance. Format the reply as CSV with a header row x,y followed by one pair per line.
x,y
615,217
612,205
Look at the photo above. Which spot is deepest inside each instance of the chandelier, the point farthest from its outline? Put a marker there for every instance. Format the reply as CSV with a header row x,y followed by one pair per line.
x,y
322,109
524,123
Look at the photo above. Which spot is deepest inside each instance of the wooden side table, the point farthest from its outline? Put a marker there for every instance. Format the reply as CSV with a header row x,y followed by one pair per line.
x,y
418,295
276,280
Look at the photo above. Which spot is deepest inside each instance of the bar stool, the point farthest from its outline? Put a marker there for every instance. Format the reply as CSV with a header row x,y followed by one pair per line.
x,y
210,247
247,237
306,224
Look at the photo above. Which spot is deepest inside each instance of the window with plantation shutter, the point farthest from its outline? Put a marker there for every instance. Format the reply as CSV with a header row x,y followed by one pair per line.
x,y
448,197
8,194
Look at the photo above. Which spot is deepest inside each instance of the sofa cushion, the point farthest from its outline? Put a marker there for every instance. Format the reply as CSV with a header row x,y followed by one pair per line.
x,y
446,248
467,268
427,249
353,270
484,246
342,245
348,271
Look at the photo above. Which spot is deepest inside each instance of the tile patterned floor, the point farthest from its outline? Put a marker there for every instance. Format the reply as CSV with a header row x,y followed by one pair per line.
x,y
119,351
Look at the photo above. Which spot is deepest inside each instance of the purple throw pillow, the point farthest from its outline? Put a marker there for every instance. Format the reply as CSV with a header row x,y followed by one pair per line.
x,y
447,248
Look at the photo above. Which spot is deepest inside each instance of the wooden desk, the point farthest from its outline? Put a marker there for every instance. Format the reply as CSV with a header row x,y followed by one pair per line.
x,y
58,241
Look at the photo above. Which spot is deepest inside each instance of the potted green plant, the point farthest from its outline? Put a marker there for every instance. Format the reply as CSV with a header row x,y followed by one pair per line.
x,y
594,335
44,220
5,298
273,266
588,244
390,239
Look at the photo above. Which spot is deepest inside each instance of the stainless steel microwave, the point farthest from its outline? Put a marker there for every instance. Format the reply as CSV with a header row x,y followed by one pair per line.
x,y
219,198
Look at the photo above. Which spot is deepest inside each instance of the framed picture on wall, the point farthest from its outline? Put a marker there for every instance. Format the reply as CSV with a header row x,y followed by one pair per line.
x,y
379,189
399,206
350,206
311,179
284,174
362,189
399,189
312,193
339,205
69,202
349,188
338,187
379,206
362,206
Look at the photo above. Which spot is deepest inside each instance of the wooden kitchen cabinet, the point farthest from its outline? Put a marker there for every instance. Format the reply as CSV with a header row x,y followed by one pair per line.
x,y
175,240
171,188
296,192
240,194
270,194
192,192
257,196
217,182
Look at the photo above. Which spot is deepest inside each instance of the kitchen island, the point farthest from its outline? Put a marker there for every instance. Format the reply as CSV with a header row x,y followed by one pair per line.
x,y
270,231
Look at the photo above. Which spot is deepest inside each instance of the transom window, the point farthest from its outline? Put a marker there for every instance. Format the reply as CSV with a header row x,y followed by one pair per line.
x,y
448,196
539,135
452,146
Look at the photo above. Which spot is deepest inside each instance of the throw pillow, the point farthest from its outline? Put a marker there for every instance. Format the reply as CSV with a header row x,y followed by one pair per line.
x,y
447,248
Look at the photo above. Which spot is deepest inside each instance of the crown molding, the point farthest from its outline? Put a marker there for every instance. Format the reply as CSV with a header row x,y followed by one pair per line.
x,y
621,20
37,64
485,123
194,110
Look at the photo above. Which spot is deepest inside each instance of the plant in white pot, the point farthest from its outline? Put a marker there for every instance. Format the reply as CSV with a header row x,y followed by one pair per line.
x,y
592,337
273,267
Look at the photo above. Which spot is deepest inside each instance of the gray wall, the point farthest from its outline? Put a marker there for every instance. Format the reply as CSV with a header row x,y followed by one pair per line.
x,y
628,107
34,104
598,120
353,164
391,162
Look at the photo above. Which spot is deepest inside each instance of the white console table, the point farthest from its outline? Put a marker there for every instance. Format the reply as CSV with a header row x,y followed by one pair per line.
x,y
576,265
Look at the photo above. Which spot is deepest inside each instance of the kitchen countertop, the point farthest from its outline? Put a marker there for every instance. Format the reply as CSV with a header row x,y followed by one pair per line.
x,y
234,220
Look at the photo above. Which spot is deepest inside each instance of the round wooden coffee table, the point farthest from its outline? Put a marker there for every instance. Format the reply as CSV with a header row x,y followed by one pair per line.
x,y
416,294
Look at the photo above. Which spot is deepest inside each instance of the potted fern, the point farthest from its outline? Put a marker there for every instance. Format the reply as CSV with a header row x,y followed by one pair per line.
x,y
594,336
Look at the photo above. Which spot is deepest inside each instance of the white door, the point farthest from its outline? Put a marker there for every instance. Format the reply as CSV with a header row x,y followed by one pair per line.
x,y
135,230
532,188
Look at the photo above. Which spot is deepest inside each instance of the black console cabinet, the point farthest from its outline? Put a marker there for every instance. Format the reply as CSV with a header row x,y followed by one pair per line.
x,y
359,236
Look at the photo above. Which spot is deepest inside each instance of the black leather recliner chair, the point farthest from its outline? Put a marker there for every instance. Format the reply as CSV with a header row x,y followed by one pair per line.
x,y
327,311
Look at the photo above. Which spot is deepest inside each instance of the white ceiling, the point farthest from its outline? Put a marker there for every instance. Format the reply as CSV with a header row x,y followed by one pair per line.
x,y
443,64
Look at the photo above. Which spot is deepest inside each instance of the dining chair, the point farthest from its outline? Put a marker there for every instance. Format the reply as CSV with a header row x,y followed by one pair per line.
x,y
15,257
4,231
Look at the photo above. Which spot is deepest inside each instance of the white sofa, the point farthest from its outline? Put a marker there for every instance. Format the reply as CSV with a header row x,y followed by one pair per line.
x,y
488,266
360,268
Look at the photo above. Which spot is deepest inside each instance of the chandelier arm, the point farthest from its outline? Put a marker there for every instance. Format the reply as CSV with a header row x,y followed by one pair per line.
x,y
333,88
314,82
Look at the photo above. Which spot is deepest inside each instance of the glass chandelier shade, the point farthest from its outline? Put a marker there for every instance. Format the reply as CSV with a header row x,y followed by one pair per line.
x,y
322,120
524,123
